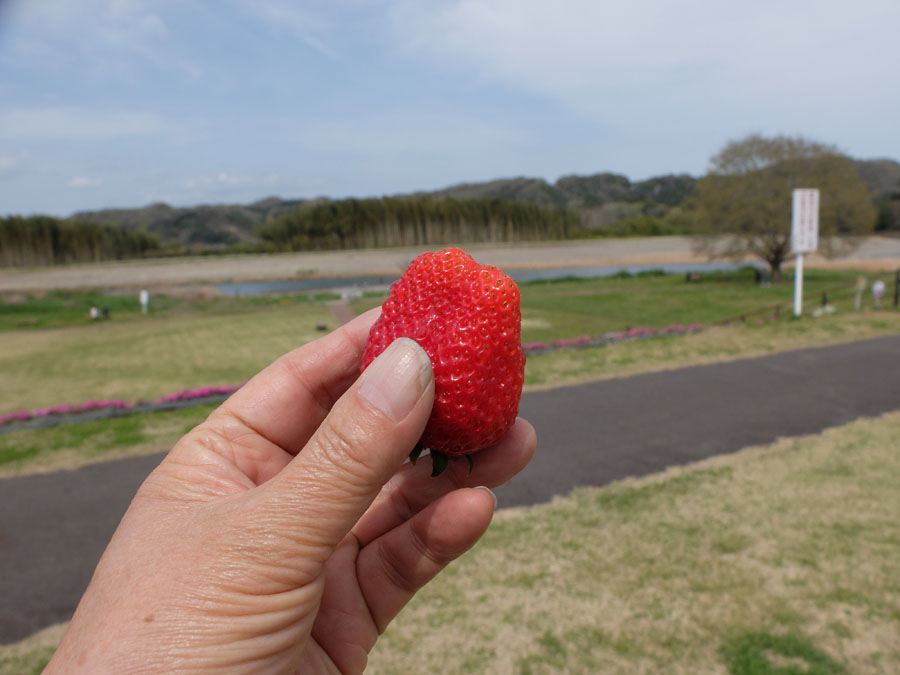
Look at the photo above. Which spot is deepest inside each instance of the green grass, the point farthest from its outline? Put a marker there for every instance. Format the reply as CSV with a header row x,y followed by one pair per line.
x,y
767,654
146,358
225,341
70,445
30,663
551,310
65,308
568,308
713,345
75,444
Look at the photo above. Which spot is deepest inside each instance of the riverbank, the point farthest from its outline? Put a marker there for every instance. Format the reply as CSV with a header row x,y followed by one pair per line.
x,y
876,253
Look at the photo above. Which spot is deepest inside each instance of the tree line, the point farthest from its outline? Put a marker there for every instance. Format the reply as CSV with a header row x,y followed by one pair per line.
x,y
44,240
415,221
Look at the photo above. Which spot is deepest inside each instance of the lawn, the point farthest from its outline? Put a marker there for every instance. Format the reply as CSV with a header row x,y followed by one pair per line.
x,y
224,341
69,446
569,308
147,358
786,552
64,308
714,344
783,556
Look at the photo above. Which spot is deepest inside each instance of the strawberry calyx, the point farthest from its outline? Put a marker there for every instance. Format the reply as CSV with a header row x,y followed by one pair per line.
x,y
439,460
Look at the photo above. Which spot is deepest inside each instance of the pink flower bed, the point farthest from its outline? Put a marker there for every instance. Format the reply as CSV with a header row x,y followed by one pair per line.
x,y
574,342
204,392
189,394
183,395
533,346
631,333
639,332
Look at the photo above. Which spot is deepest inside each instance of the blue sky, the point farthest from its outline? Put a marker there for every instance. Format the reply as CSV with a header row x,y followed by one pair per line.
x,y
121,103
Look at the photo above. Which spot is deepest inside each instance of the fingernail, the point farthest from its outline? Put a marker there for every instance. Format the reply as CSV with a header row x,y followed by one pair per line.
x,y
397,378
490,492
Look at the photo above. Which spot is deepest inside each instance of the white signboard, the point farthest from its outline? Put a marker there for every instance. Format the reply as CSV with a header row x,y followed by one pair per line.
x,y
805,221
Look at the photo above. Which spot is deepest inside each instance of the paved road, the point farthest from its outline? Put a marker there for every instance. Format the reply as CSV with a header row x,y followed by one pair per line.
x,y
54,527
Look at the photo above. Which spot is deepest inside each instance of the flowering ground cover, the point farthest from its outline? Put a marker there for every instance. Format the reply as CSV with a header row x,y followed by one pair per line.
x,y
89,406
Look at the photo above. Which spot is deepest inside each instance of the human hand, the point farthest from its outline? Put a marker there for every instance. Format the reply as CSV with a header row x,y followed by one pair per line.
x,y
285,532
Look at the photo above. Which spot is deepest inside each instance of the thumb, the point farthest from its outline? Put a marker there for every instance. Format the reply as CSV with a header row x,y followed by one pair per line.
x,y
362,442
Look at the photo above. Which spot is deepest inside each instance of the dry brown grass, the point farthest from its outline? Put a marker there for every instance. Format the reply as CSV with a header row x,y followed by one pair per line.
x,y
656,574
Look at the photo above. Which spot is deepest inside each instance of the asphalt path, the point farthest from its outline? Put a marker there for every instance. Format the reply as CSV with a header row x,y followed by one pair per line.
x,y
54,527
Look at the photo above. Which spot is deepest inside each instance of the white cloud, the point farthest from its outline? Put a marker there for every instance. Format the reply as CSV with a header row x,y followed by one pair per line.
x,y
151,23
223,179
81,182
595,56
133,15
311,27
219,187
11,164
104,37
77,124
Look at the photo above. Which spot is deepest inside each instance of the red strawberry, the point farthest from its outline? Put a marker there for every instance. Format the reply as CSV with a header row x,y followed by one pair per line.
x,y
466,317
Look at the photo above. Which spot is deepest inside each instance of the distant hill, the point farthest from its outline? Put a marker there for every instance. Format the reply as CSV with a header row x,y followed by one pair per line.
x,y
603,199
882,176
210,225
576,191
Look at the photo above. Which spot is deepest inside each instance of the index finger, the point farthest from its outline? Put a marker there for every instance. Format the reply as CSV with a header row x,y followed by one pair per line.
x,y
287,401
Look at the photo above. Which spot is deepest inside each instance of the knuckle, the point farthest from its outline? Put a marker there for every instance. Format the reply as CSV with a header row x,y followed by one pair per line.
x,y
401,504
427,550
344,448
393,569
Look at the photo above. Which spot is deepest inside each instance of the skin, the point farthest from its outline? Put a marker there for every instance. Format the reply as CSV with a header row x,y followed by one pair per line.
x,y
285,532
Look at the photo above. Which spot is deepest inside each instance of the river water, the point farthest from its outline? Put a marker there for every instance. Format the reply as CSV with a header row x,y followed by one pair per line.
x,y
519,275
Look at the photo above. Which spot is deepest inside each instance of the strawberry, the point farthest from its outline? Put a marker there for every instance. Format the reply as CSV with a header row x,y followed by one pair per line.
x,y
466,317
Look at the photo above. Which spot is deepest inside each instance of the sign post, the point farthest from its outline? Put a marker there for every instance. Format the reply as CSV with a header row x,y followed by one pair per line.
x,y
804,236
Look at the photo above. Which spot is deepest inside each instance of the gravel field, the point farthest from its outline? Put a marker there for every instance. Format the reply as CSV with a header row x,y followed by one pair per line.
x,y
876,253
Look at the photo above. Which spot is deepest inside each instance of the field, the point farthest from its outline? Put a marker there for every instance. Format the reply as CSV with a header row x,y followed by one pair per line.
x,y
789,553
786,555
186,344
144,358
223,341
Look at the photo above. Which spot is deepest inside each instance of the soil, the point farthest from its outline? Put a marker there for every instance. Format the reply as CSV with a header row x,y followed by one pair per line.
x,y
876,253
